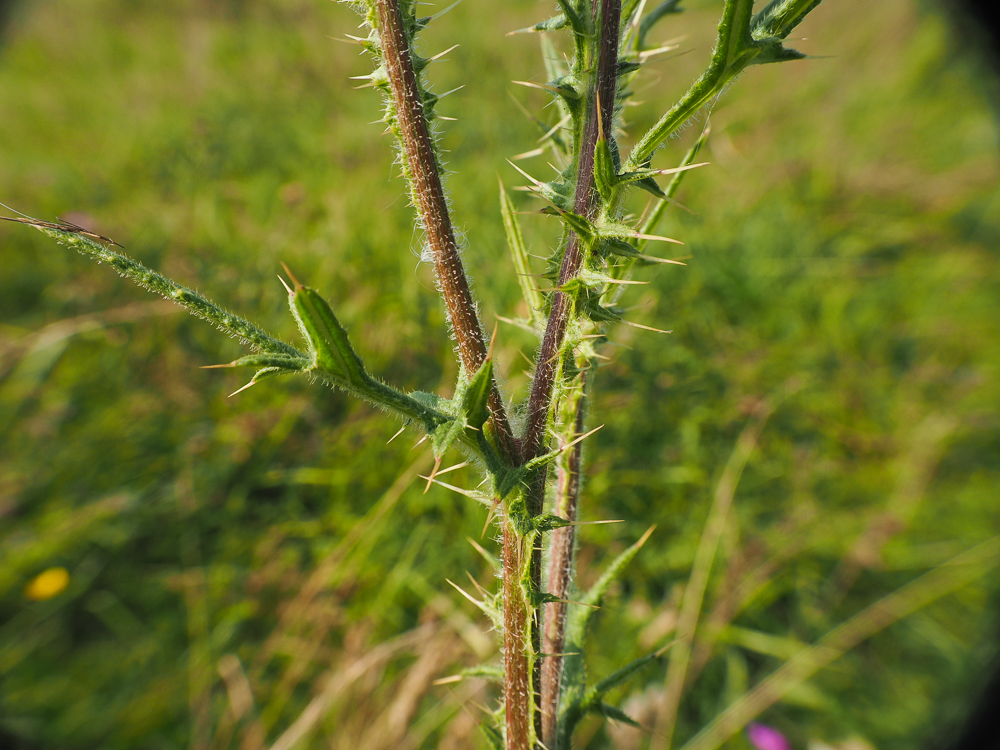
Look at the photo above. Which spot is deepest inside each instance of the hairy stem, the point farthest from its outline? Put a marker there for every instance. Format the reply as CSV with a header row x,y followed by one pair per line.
x,y
157,283
432,207
736,48
586,203
517,683
561,548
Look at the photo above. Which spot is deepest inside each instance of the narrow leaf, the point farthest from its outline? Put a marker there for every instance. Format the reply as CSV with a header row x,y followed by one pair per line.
x,y
475,401
775,52
614,713
578,620
579,224
519,253
82,241
446,435
620,677
605,170
270,361
779,17
491,672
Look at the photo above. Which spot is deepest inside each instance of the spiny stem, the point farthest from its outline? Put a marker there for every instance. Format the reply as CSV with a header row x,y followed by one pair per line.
x,y
431,205
735,49
585,202
561,548
517,683
157,283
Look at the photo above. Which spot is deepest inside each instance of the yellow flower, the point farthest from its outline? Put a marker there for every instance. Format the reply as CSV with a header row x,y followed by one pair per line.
x,y
47,584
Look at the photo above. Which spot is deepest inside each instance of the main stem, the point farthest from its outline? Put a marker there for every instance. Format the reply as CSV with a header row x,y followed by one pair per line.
x,y
586,202
517,681
432,207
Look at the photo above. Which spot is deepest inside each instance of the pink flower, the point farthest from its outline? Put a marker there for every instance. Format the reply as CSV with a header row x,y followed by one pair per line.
x,y
764,737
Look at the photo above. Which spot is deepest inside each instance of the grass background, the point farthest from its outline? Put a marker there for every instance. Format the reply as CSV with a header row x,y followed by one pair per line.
x,y
232,559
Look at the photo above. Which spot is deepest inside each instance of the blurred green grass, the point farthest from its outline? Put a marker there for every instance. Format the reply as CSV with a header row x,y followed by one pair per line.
x,y
843,253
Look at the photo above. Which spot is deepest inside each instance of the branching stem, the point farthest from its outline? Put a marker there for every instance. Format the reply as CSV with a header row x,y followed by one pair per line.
x,y
741,40
432,207
600,118
534,664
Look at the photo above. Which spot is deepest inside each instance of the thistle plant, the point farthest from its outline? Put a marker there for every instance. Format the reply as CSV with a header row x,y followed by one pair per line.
x,y
530,454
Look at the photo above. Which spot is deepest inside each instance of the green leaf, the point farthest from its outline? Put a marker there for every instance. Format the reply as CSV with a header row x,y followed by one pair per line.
x,y
334,360
157,283
617,246
558,192
509,480
493,736
446,435
431,401
576,21
775,52
626,67
605,171
550,24
570,91
592,701
271,361
331,349
620,677
575,697
579,224
779,17
519,253
491,672
614,230
548,522
613,712
587,301
579,617
646,182
475,399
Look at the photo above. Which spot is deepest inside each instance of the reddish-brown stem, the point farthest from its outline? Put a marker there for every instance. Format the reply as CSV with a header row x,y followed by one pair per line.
x,y
600,117
432,207
585,203
428,195
516,684
560,573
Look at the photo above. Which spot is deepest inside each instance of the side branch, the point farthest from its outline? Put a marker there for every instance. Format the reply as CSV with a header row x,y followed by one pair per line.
x,y
155,282
742,41
428,193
